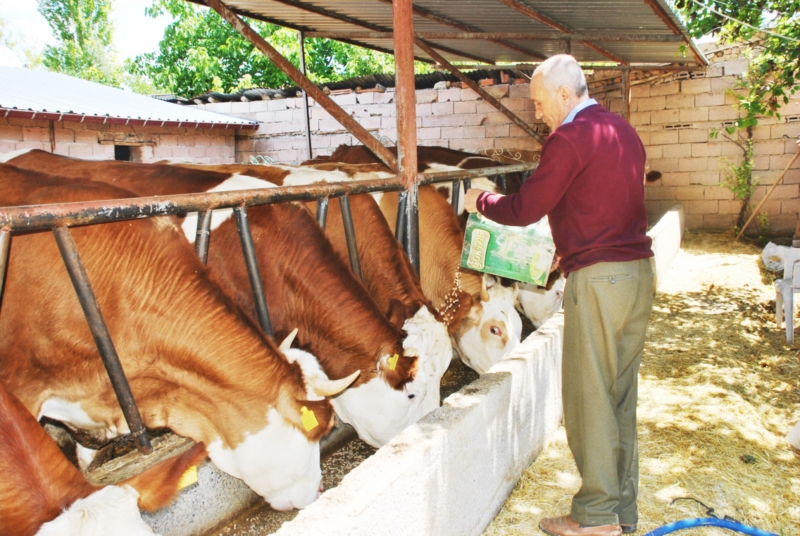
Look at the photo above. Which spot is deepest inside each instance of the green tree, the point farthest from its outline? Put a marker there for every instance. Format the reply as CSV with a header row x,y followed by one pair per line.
x,y
201,52
84,39
770,29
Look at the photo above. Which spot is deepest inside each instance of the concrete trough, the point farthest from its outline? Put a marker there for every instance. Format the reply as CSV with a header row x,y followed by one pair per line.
x,y
451,472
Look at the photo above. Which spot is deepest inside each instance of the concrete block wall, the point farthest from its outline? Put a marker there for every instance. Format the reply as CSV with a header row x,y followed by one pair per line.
x,y
454,117
82,140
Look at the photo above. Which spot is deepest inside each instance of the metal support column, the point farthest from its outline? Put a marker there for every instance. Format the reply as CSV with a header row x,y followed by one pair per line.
x,y
350,235
405,98
252,269
322,212
306,118
345,119
203,235
626,93
102,337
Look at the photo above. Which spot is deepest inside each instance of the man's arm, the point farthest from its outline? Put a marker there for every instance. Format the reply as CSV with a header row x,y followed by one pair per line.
x,y
538,196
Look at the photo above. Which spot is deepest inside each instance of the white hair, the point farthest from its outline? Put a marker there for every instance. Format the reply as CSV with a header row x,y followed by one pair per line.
x,y
562,70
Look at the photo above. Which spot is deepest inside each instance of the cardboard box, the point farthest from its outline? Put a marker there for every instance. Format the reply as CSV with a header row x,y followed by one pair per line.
x,y
521,253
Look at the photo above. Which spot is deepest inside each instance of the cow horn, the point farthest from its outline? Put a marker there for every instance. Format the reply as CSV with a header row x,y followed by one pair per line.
x,y
287,342
332,387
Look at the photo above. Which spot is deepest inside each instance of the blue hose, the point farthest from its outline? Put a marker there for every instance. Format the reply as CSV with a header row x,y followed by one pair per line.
x,y
709,521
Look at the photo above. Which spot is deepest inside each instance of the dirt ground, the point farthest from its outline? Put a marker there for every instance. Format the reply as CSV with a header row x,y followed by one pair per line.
x,y
719,391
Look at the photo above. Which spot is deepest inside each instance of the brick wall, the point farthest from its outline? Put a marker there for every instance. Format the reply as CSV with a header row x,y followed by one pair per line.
x,y
83,140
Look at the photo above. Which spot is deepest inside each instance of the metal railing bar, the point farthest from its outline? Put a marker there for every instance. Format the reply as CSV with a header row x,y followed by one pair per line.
x,y
350,236
257,286
5,242
455,196
203,235
322,212
102,337
41,217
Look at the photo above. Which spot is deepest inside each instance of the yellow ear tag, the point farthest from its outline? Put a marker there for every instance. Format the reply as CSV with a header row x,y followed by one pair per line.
x,y
309,419
393,361
188,478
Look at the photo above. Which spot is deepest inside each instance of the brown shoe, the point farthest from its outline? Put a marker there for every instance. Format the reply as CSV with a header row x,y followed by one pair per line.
x,y
566,526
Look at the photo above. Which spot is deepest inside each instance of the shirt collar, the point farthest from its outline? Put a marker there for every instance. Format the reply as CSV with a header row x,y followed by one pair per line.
x,y
578,108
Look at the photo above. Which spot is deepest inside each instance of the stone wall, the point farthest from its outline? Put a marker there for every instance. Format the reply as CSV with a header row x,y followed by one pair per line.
x,y
96,141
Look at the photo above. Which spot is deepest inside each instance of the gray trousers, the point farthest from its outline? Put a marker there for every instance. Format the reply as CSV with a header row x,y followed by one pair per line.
x,y
606,310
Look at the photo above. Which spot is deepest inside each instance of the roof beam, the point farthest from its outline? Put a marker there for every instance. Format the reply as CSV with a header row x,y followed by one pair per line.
x,y
535,15
482,92
305,84
305,6
506,35
430,15
666,19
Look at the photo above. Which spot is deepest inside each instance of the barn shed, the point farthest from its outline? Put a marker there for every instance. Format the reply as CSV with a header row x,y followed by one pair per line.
x,y
73,117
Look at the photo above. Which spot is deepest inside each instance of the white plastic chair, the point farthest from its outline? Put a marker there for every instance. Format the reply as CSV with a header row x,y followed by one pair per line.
x,y
784,292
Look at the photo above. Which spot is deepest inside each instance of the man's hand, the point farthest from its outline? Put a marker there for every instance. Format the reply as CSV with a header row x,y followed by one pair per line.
x,y
471,199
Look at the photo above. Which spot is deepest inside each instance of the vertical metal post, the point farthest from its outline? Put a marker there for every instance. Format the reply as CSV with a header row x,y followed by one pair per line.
x,y
306,118
412,228
322,212
350,235
455,197
5,242
203,235
77,273
405,98
400,221
252,269
626,92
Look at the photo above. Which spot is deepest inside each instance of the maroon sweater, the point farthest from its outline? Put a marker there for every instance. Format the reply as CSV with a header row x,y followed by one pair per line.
x,y
590,184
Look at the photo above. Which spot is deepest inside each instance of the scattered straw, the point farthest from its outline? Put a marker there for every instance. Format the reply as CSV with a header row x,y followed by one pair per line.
x,y
719,391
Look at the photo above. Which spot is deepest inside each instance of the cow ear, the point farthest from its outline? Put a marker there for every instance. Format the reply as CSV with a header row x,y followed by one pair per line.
x,y
159,485
398,313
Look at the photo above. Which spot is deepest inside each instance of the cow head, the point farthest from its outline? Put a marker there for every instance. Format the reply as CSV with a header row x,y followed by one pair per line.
x,y
491,326
281,461
395,398
539,303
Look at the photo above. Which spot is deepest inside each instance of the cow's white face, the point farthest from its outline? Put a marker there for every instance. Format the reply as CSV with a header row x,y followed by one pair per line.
x,y
429,337
111,510
495,329
279,462
539,304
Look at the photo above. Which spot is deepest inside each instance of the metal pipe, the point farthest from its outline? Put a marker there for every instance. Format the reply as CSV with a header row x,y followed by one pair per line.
x,y
40,217
253,272
412,228
322,212
5,242
304,83
455,195
83,288
203,235
306,118
517,36
400,221
480,91
350,236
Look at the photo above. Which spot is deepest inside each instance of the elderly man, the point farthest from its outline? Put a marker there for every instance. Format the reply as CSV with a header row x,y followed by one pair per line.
x,y
589,183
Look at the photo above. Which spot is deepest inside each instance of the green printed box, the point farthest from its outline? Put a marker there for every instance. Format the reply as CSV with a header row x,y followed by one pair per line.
x,y
520,253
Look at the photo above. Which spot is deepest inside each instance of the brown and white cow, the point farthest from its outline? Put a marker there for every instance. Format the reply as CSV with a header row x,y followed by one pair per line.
x,y
194,362
478,310
338,321
42,493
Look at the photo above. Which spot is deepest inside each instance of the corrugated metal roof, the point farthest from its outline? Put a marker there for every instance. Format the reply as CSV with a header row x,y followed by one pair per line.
x,y
47,95
559,17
